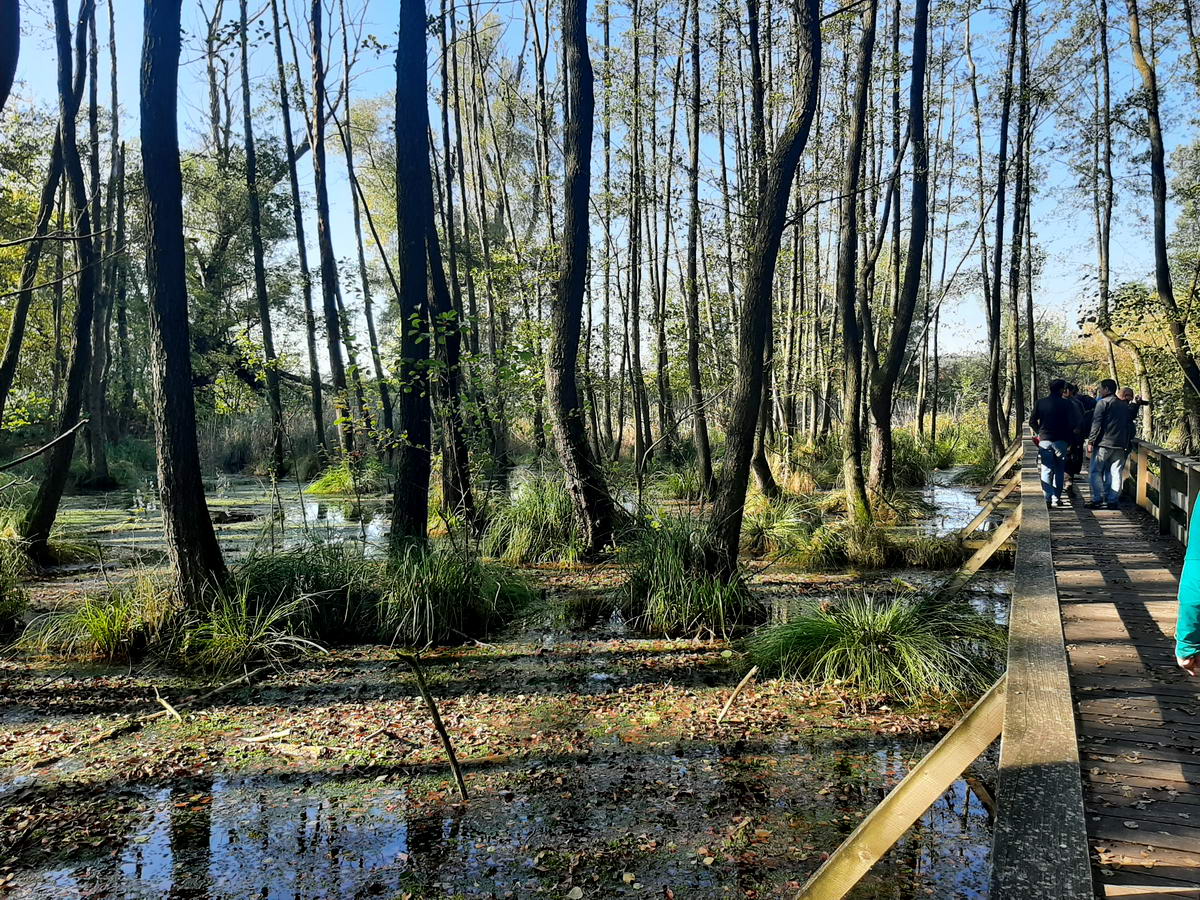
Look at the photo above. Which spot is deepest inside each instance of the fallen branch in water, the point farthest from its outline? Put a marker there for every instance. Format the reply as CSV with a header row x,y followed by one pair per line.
x,y
737,690
414,663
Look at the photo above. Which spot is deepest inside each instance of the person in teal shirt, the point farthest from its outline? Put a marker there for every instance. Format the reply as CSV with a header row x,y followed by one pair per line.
x,y
1187,630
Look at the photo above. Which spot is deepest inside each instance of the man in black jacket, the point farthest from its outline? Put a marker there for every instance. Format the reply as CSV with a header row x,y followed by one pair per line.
x,y
1075,455
1114,423
1055,419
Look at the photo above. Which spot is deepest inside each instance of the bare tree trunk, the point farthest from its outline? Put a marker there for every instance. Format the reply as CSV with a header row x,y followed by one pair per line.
x,y
585,481
887,374
44,508
857,505
765,239
10,46
414,202
329,273
310,321
1180,343
191,541
699,414
270,362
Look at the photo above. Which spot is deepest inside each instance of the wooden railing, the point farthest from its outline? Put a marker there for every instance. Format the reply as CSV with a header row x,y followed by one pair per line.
x,y
1040,844
1040,847
1165,484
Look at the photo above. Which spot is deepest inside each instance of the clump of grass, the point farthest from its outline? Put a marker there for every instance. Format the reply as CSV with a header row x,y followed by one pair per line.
x,y
681,484
907,647
339,587
671,590
781,526
927,551
537,524
901,508
237,629
114,626
437,594
14,603
345,478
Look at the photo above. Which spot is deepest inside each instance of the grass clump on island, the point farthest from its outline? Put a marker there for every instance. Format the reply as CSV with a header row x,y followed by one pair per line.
x,y
537,523
904,646
290,603
670,590
346,478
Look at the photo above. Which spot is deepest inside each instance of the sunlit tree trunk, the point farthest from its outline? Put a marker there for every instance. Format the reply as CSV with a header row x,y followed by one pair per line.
x,y
765,239
191,542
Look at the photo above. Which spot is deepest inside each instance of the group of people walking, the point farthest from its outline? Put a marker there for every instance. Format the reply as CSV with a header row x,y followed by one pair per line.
x,y
1068,422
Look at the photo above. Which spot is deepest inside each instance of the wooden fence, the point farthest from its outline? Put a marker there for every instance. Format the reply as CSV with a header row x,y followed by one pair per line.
x,y
1165,484
1040,847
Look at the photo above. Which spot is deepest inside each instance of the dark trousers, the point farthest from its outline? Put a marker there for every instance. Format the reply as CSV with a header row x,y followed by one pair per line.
x,y
1075,460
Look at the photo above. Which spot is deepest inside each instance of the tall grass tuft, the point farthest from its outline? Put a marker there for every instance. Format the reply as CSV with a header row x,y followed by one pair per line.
x,y
437,594
113,626
907,647
237,629
780,526
670,590
680,484
345,478
537,524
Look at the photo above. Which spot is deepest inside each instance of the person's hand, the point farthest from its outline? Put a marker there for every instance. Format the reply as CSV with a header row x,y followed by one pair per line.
x,y
1190,664
1091,449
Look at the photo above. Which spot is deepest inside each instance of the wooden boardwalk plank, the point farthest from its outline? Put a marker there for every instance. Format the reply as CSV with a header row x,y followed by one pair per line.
x,y
1137,715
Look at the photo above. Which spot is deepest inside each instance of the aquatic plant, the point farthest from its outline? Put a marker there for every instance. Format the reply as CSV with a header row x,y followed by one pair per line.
x,y
680,484
537,524
777,526
346,478
113,626
905,646
437,594
670,590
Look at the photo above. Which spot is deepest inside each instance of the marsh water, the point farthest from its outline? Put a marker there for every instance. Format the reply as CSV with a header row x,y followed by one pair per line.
x,y
677,817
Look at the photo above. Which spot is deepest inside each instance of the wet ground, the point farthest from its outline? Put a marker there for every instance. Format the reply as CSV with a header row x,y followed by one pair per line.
x,y
593,759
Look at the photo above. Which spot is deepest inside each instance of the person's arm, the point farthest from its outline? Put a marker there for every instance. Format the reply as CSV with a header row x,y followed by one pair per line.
x,y
1035,418
1187,629
1098,422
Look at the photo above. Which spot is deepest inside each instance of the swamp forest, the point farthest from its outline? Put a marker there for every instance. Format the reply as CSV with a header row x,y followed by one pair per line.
x,y
509,448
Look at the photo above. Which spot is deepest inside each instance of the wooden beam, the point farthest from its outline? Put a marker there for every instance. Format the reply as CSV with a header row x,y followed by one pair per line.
x,y
1011,457
999,537
1040,846
990,507
909,800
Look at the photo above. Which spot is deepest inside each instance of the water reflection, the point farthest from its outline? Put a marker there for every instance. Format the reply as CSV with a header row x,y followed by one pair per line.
x,y
289,839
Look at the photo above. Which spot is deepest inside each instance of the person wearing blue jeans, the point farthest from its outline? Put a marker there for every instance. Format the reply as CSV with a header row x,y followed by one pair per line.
x,y
1056,420
1114,422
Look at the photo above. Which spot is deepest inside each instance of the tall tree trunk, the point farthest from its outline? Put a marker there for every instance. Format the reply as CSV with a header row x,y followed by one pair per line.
x,y
310,320
414,203
699,414
858,507
585,481
1180,343
44,509
772,206
270,362
997,425
329,273
10,46
191,541
887,374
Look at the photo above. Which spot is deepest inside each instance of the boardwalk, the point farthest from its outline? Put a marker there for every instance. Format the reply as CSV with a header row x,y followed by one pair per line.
x,y
1138,715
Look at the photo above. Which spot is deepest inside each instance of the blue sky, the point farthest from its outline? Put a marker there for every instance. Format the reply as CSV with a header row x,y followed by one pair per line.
x,y
1062,222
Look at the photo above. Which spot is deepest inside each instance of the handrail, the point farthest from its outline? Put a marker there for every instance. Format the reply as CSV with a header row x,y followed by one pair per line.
x,y
1166,484
1040,846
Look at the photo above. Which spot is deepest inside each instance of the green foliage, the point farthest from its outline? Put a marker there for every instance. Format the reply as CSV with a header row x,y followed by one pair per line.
x,y
907,647
112,626
345,478
438,594
680,484
779,526
816,466
538,524
670,589
927,551
237,629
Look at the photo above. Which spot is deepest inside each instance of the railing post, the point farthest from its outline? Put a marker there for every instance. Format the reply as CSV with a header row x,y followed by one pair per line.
x,y
1141,476
1165,468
